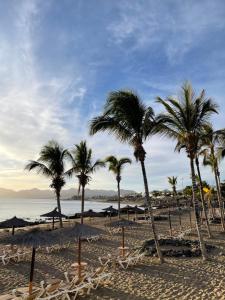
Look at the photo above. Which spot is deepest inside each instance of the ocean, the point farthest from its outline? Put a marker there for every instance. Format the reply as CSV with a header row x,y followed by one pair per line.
x,y
31,209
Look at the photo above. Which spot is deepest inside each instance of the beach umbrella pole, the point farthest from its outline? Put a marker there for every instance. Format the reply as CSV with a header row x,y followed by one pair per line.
x,y
123,241
13,230
79,257
53,223
32,271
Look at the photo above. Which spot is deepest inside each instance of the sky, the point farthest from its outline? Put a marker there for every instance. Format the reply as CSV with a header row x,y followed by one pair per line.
x,y
59,60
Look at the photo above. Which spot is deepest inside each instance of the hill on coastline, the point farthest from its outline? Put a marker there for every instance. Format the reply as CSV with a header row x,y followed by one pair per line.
x,y
66,194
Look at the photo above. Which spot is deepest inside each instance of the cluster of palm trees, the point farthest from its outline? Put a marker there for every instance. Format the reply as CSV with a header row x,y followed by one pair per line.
x,y
185,119
52,160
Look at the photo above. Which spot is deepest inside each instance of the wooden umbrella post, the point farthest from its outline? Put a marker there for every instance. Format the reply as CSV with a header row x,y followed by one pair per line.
x,y
123,241
32,271
79,258
53,223
13,230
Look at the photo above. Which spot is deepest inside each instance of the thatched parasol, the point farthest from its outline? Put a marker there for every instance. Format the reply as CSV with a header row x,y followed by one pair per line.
x,y
111,210
79,231
54,214
122,224
90,214
33,238
13,223
127,209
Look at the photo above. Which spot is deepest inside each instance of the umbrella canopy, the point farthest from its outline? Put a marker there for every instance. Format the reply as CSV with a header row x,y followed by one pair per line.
x,y
138,210
33,238
14,222
127,208
79,231
54,214
110,209
90,213
123,223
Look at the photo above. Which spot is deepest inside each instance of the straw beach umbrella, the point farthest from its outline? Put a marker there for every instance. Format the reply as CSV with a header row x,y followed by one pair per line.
x,y
111,210
127,209
33,238
122,224
54,214
79,231
13,223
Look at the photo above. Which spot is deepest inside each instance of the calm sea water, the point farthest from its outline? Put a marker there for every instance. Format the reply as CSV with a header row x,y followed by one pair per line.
x,y
33,208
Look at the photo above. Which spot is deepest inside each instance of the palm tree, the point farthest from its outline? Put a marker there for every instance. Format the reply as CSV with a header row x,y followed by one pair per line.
x,y
51,164
116,166
199,180
131,122
210,140
183,121
178,148
82,167
173,182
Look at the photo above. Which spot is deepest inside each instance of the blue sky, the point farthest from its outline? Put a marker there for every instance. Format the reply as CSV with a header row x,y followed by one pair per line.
x,y
59,59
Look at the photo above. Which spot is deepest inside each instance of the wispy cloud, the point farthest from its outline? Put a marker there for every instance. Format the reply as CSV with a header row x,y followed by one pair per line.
x,y
57,66
176,26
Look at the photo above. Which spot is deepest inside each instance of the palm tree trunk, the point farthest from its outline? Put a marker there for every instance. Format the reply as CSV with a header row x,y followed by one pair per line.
x,y
179,212
59,207
219,199
196,210
202,198
82,205
148,202
118,188
169,217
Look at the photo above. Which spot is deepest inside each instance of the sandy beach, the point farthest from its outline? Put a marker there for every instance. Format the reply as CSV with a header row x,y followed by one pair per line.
x,y
177,278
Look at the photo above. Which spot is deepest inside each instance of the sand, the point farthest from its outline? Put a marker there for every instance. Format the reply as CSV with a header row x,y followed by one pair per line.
x,y
177,278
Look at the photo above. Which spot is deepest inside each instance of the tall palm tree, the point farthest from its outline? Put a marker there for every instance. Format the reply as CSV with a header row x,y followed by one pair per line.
x,y
82,167
51,164
178,148
183,121
116,166
131,122
210,140
173,182
199,179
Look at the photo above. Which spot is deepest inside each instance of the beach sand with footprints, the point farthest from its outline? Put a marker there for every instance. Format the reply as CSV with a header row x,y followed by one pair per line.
x,y
178,278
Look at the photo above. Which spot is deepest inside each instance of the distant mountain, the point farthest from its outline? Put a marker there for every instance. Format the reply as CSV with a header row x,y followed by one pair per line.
x,y
66,194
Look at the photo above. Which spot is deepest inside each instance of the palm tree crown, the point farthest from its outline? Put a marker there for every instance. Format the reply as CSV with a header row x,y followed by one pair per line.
x,y
51,163
186,117
173,182
116,165
126,116
82,164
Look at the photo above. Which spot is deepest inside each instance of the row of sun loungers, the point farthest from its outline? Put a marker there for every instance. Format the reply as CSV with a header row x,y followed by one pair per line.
x,y
57,247
124,262
60,289
94,238
14,255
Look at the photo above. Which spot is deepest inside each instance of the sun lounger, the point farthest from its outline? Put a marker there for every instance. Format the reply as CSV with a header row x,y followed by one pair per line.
x,y
6,297
4,258
23,293
94,238
130,260
105,260
99,276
